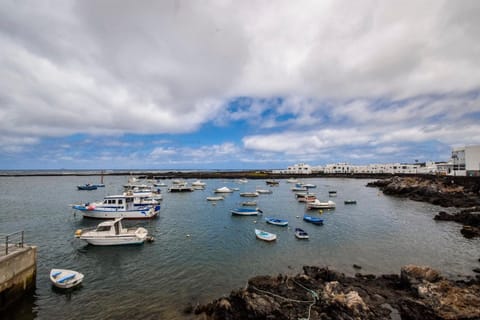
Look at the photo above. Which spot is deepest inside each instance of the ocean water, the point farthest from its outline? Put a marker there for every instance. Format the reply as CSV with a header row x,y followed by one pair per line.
x,y
202,252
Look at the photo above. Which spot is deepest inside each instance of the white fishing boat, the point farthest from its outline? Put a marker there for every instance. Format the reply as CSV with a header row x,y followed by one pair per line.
x,y
292,180
179,187
198,183
249,203
118,206
215,198
112,233
263,191
223,190
317,204
265,236
65,279
248,194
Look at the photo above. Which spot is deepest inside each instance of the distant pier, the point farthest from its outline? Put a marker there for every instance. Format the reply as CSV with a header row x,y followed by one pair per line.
x,y
18,268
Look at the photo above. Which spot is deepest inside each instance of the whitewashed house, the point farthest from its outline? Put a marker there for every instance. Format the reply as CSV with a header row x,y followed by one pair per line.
x,y
465,161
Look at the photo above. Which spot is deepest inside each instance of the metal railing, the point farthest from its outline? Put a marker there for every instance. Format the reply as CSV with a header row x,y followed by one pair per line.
x,y
15,239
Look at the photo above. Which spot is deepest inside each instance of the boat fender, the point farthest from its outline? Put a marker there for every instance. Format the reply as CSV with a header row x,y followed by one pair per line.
x,y
78,233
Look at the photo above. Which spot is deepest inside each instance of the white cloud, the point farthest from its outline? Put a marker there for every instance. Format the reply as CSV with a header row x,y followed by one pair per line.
x,y
110,68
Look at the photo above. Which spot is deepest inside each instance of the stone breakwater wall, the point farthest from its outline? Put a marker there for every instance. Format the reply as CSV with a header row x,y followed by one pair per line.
x,y
17,275
419,292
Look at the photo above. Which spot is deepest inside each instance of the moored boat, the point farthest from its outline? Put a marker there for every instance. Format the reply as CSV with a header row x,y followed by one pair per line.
x,y
265,236
245,212
87,186
249,203
248,194
180,187
272,182
215,198
277,222
332,193
112,233
313,220
317,204
65,279
350,202
223,190
199,183
263,191
309,185
301,234
118,206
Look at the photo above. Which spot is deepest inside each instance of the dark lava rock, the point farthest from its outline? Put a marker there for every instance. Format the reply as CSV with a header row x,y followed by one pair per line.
x,y
322,293
442,191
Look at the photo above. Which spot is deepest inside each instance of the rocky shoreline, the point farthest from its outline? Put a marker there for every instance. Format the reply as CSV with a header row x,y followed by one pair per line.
x,y
321,293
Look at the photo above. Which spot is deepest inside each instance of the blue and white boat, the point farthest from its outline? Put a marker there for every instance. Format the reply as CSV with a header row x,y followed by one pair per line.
x,y
301,234
65,279
277,222
246,212
126,206
87,186
264,235
313,220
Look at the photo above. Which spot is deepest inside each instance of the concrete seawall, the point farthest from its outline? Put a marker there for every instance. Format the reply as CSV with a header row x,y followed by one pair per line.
x,y
18,272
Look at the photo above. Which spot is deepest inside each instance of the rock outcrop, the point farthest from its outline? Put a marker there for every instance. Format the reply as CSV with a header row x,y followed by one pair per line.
x,y
442,191
470,218
321,293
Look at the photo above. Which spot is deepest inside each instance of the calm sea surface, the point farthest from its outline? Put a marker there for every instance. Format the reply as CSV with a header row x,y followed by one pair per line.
x,y
201,252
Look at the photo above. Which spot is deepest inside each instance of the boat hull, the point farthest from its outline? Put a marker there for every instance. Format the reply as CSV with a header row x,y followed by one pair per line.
x,y
277,222
147,213
245,212
265,236
65,279
313,220
114,241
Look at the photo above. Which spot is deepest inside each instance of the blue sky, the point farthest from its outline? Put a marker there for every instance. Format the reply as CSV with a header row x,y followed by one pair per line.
x,y
236,85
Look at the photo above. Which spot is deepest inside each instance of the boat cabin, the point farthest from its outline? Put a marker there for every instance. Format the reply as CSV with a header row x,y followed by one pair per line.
x,y
119,202
112,227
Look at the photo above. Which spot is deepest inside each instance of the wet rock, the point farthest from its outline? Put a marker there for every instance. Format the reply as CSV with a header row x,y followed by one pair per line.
x,y
356,266
412,275
470,232
418,293
436,190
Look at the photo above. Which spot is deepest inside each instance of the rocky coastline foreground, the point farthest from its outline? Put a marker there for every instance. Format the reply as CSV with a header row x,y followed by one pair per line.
x,y
419,292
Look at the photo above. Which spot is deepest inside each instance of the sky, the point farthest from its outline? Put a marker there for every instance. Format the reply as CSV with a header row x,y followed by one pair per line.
x,y
236,84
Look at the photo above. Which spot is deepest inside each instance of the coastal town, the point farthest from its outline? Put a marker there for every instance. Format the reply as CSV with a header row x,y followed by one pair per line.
x,y
464,161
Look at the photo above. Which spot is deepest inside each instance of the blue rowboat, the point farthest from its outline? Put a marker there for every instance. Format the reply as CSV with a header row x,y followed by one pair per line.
x,y
245,212
277,222
313,220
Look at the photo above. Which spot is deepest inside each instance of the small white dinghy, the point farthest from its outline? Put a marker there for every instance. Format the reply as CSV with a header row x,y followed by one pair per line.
x,y
65,279
265,236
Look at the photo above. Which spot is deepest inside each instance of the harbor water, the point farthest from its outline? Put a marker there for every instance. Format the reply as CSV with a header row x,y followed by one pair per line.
x,y
202,252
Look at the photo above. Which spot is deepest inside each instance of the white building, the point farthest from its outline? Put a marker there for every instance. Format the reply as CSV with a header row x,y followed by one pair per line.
x,y
465,161
300,168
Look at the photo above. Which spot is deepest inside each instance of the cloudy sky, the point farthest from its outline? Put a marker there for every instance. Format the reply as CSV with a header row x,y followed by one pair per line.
x,y
236,84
